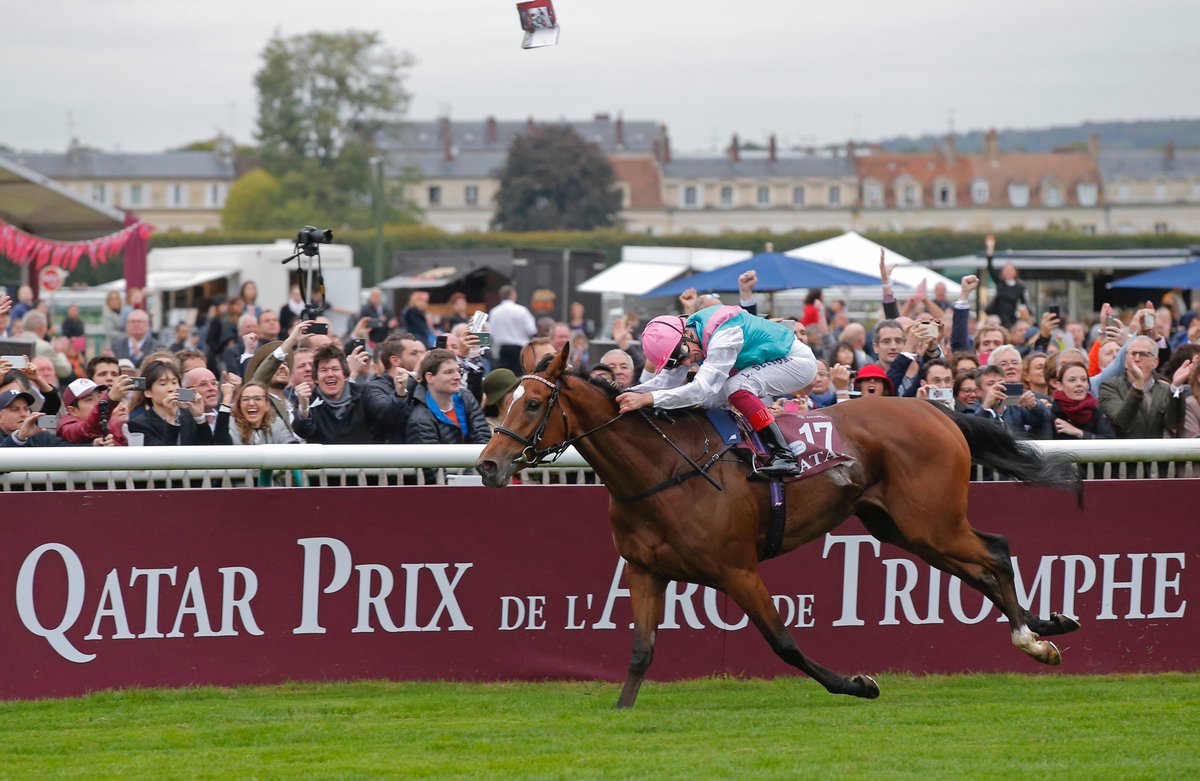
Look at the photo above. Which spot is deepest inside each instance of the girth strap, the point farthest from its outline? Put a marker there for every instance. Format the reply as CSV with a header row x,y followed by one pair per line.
x,y
776,523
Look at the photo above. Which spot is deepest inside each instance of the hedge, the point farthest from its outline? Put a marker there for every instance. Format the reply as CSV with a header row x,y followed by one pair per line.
x,y
918,245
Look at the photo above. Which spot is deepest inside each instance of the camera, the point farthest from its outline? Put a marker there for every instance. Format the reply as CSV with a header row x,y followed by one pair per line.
x,y
309,237
187,394
944,395
317,328
105,411
1013,392
137,384
931,329
376,322
1055,310
441,341
48,422
1147,320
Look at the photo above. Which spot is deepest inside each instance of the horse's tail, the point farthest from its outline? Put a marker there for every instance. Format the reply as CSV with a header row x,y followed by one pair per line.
x,y
992,446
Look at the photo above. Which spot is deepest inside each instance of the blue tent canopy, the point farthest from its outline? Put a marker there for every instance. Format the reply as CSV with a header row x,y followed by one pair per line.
x,y
1185,275
776,271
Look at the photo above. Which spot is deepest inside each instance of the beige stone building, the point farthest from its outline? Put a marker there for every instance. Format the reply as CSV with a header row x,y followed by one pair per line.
x,y
171,190
1151,191
453,170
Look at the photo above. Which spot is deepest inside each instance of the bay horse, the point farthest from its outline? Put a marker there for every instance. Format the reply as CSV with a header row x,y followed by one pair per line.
x,y
687,531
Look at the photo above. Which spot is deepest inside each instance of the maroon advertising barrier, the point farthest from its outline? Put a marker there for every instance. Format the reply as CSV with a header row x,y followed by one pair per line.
x,y
182,587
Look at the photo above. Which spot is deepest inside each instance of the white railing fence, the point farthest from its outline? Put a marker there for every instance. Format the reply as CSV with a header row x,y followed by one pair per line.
x,y
32,469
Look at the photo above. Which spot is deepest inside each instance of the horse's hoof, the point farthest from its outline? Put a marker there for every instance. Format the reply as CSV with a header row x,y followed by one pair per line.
x,y
1051,656
1065,623
867,688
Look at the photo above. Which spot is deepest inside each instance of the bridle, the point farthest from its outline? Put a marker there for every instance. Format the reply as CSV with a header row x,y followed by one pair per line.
x,y
532,455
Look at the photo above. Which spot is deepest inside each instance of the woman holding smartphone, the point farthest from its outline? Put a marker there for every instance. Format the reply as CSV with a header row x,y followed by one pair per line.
x,y
167,420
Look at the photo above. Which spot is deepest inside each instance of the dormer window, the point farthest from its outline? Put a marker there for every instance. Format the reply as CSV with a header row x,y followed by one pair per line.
x,y
872,194
1088,194
727,196
943,193
1018,195
1051,194
980,192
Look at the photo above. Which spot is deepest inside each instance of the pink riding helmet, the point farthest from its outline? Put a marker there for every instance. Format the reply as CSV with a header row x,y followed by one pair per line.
x,y
661,338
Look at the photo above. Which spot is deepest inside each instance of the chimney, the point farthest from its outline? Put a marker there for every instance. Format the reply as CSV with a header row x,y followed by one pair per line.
x,y
1093,144
529,125
493,130
951,150
657,147
850,149
666,145
735,154
1170,150
443,127
620,132
991,144
448,147
772,149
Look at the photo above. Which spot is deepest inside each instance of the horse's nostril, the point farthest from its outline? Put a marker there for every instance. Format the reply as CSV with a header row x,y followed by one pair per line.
x,y
486,466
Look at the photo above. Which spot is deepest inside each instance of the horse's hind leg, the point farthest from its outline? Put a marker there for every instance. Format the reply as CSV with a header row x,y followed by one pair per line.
x,y
646,596
747,590
1056,624
980,561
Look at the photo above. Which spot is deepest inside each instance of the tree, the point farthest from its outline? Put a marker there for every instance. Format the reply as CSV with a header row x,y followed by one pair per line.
x,y
252,202
323,97
555,180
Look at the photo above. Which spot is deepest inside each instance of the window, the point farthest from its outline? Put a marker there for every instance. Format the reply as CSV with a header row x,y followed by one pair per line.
x,y
471,195
215,195
873,194
689,196
908,195
764,196
177,196
435,195
1018,194
727,196
1051,195
1160,192
1124,193
980,193
1161,227
137,195
1196,191
835,195
944,193
798,196
100,193
1088,194
1088,230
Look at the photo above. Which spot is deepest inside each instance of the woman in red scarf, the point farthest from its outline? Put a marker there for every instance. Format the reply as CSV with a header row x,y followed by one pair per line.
x,y
1076,414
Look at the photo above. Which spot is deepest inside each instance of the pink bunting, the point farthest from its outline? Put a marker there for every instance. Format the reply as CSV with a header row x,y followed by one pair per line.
x,y
21,247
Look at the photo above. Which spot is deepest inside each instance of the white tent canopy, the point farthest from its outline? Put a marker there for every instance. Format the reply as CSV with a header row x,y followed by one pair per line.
x,y
641,269
856,253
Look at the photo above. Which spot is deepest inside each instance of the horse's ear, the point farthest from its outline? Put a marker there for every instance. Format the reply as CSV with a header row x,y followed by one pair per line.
x,y
559,363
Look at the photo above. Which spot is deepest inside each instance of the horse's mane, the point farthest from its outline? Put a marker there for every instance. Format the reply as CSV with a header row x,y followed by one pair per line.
x,y
610,389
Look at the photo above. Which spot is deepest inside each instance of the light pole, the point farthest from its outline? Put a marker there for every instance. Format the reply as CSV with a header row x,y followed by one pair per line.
x,y
378,209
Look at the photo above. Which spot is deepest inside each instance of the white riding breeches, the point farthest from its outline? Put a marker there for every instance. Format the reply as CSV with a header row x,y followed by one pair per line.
x,y
795,371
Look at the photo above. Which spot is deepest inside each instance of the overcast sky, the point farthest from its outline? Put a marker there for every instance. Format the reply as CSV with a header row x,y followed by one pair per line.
x,y
145,75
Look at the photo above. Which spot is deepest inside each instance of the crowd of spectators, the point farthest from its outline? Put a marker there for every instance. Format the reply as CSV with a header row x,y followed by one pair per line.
x,y
253,375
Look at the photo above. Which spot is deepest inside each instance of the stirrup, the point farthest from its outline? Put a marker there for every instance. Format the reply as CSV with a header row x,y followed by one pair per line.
x,y
778,468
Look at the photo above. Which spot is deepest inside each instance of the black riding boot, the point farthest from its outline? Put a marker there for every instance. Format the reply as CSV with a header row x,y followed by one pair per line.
x,y
783,463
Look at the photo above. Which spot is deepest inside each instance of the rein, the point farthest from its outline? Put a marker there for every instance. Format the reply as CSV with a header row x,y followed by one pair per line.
x,y
532,455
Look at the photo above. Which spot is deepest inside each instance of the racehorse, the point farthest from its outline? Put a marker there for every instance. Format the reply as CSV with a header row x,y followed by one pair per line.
x,y
670,527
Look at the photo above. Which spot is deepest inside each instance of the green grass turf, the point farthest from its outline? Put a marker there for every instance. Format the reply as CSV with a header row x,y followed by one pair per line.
x,y
974,726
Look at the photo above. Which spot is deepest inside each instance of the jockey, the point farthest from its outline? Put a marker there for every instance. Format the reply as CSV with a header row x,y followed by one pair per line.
x,y
741,358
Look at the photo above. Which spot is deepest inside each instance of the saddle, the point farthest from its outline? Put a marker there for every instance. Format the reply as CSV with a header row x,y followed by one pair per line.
x,y
812,436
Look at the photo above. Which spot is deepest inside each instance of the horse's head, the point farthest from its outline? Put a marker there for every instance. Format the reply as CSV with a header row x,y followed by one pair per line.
x,y
533,426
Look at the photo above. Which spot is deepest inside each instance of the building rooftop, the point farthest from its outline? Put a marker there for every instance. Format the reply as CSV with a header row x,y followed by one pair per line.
x,y
83,163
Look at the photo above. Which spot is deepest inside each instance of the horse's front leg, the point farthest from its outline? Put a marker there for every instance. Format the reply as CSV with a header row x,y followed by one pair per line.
x,y
646,595
746,588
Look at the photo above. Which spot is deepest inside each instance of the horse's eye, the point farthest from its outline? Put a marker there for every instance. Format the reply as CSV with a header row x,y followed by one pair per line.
x,y
532,406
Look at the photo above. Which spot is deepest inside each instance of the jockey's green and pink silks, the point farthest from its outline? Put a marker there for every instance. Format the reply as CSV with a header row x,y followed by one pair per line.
x,y
763,340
